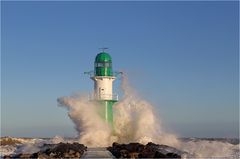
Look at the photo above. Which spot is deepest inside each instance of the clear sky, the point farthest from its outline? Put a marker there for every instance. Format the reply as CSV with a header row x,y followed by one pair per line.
x,y
180,56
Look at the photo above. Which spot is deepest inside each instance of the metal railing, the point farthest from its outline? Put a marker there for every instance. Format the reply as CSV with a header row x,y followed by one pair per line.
x,y
115,73
92,96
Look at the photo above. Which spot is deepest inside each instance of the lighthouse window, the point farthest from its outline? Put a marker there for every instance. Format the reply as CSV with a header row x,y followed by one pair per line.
x,y
99,65
107,64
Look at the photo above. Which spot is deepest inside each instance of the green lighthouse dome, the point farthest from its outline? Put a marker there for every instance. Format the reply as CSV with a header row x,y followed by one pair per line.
x,y
103,57
103,64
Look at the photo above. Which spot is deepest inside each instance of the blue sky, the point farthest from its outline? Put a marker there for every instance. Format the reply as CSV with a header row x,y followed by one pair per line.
x,y
180,56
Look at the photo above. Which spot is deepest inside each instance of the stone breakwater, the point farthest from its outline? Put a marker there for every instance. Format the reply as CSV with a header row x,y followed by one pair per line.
x,y
151,150
61,150
76,150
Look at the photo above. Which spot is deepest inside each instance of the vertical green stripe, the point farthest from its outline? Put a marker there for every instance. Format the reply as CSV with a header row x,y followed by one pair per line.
x,y
106,110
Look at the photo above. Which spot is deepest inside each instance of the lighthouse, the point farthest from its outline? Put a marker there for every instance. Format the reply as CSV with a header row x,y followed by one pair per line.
x,y
103,77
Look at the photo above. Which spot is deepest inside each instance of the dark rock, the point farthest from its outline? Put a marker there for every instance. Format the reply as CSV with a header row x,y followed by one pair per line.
x,y
173,155
159,155
137,150
133,154
124,153
61,150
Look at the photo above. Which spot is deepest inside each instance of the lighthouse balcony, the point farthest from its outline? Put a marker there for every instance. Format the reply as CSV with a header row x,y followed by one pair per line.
x,y
103,97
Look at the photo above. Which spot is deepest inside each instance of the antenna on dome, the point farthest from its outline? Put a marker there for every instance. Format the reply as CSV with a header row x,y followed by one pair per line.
x,y
103,49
